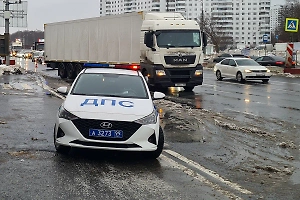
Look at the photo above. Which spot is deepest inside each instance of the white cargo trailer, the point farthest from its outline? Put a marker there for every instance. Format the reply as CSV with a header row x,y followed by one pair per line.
x,y
131,38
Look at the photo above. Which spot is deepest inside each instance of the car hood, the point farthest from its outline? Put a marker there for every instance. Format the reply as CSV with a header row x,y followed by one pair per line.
x,y
109,108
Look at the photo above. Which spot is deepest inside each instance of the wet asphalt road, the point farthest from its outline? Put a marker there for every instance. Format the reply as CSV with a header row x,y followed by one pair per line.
x,y
31,169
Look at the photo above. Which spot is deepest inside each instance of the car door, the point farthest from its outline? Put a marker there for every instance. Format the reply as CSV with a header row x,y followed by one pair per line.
x,y
231,70
259,60
267,61
223,67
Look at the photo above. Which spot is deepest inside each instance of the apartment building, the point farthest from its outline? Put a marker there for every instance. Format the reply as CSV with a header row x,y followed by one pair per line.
x,y
245,21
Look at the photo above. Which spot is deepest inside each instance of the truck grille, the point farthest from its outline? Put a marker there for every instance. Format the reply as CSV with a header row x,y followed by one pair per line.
x,y
179,72
128,128
180,60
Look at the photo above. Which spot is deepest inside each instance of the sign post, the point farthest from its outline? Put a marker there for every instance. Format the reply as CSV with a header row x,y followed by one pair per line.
x,y
265,40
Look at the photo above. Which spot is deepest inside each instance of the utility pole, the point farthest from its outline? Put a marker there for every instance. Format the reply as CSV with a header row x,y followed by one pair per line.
x,y
7,14
7,62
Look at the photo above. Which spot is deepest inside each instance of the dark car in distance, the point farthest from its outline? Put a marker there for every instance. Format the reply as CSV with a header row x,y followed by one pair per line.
x,y
227,55
272,61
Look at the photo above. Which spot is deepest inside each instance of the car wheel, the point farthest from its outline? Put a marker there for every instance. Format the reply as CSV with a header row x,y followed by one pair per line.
x,y
239,77
60,148
155,154
265,80
188,88
219,75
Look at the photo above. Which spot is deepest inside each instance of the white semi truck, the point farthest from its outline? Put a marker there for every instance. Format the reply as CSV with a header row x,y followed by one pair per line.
x,y
168,48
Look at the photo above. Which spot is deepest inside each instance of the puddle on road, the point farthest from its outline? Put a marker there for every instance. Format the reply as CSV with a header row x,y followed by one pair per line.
x,y
189,98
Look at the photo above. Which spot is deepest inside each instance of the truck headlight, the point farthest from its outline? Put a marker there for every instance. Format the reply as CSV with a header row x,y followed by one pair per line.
x,y
149,119
248,71
63,113
160,72
198,72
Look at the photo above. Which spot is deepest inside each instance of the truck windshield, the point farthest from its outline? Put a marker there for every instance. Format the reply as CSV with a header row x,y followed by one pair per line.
x,y
178,38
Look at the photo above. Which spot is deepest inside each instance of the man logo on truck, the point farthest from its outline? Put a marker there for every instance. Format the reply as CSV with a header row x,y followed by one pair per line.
x,y
180,60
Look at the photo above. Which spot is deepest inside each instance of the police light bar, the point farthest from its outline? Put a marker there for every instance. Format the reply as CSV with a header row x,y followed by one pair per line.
x,y
135,67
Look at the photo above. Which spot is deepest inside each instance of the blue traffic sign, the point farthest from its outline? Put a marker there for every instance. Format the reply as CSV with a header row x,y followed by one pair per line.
x,y
265,38
291,24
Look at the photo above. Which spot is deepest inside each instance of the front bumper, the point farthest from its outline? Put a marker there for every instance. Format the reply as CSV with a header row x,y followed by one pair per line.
x,y
257,76
136,137
176,77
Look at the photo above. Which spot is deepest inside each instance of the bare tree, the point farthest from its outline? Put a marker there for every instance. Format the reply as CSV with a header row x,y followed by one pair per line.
x,y
215,32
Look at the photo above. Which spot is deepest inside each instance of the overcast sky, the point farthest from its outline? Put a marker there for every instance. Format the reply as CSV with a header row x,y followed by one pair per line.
x,y
46,11
41,12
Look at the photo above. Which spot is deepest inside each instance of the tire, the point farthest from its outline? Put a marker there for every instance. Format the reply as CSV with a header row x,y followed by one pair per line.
x,y
70,69
161,140
219,75
78,68
239,77
265,80
62,70
60,148
188,88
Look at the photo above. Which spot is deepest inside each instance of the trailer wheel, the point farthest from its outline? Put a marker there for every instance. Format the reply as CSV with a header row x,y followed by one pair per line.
x,y
70,71
78,68
62,70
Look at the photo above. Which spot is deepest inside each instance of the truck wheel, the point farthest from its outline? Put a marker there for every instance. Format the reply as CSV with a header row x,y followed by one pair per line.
x,y
161,140
188,88
78,68
70,71
62,70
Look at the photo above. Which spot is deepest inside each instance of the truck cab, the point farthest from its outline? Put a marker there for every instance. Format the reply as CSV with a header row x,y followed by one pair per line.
x,y
171,51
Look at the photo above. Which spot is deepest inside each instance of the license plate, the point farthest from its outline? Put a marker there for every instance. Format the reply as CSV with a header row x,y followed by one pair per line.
x,y
180,84
106,133
260,74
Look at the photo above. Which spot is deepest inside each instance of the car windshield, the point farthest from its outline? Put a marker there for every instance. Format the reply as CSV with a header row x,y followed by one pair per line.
x,y
112,85
178,38
247,62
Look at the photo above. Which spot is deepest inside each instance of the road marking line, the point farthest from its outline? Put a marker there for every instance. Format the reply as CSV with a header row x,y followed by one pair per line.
x,y
208,172
199,177
26,86
7,86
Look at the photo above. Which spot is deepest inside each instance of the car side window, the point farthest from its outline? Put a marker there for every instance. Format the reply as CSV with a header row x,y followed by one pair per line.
x,y
225,62
259,59
266,58
232,63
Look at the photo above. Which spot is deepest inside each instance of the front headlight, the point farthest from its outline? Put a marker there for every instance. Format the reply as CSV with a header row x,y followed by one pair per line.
x,y
160,73
63,113
268,70
149,119
198,72
248,71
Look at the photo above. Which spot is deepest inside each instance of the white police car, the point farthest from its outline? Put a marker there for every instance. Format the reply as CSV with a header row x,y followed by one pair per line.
x,y
111,109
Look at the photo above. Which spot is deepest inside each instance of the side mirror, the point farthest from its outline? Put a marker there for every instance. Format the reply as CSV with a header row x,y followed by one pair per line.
x,y
62,90
148,40
158,95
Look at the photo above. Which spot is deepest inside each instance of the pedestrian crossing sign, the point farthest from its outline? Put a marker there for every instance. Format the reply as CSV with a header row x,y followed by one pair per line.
x,y
291,24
